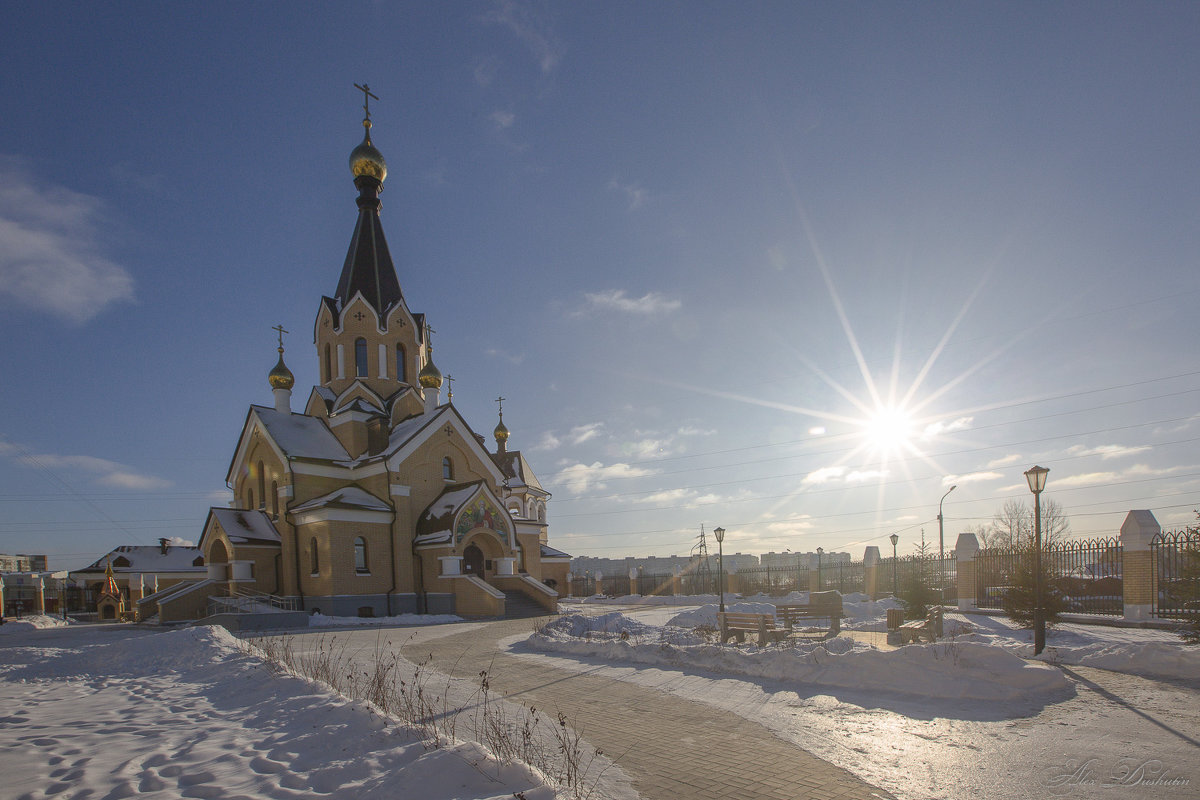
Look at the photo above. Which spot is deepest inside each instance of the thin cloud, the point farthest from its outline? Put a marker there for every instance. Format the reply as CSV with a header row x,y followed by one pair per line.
x,y
585,433
635,194
503,119
940,427
100,470
617,300
513,358
1004,461
824,475
1086,479
689,430
532,29
51,255
548,442
580,478
1107,451
972,477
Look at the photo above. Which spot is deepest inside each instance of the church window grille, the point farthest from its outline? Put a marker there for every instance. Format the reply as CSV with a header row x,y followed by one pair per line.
x,y
313,558
249,499
447,469
328,363
360,556
275,499
360,357
262,487
400,374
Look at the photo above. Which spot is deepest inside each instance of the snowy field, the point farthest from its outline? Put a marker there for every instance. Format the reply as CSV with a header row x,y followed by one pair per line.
x,y
116,711
970,716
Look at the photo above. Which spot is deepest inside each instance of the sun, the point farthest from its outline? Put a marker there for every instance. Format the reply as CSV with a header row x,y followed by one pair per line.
x,y
888,431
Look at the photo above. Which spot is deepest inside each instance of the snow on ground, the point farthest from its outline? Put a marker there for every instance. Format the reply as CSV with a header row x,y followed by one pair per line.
x,y
950,670
33,622
110,711
322,621
911,729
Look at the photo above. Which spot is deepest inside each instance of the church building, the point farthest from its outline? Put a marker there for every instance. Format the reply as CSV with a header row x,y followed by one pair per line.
x,y
377,497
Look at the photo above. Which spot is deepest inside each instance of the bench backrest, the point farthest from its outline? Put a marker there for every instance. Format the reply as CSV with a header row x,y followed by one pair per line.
x,y
744,619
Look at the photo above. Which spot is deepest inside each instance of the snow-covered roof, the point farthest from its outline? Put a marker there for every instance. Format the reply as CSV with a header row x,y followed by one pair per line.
x,y
301,436
436,522
550,552
517,470
246,527
149,558
346,497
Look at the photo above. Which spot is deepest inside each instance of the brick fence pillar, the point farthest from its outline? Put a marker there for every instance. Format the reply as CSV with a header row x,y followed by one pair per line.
x,y
633,581
1137,530
965,551
871,572
814,582
39,588
1,597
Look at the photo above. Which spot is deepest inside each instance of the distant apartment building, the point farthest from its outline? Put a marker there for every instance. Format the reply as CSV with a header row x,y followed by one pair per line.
x,y
22,563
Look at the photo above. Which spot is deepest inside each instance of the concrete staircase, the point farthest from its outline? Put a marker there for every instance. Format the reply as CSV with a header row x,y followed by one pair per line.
x,y
518,606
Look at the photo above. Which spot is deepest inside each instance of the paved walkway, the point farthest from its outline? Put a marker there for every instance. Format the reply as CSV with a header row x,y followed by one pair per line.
x,y
672,749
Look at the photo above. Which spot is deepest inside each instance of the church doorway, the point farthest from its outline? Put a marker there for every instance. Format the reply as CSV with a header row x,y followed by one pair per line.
x,y
473,561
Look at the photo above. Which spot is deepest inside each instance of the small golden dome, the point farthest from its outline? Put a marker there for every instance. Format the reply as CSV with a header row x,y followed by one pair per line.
x,y
366,160
501,432
430,376
281,377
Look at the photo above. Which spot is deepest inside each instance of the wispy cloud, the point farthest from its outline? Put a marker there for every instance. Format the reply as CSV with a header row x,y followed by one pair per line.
x,y
618,300
577,435
513,358
941,426
51,254
1086,479
1107,451
824,475
532,29
972,477
635,194
580,478
503,119
101,471
691,430
1004,461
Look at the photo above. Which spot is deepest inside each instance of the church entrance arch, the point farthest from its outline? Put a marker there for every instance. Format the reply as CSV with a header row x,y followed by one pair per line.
x,y
218,556
473,561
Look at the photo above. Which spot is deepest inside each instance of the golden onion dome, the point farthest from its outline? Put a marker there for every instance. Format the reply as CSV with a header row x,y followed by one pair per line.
x,y
366,160
501,432
430,376
281,377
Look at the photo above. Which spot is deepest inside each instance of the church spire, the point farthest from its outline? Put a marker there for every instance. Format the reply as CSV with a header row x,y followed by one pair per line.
x,y
368,268
281,378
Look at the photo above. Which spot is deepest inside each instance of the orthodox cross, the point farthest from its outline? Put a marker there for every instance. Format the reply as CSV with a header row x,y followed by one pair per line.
x,y
358,315
281,331
429,336
449,386
367,94
501,400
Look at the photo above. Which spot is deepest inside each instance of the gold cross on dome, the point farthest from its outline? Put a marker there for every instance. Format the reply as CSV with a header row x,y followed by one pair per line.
x,y
501,400
449,386
367,94
281,331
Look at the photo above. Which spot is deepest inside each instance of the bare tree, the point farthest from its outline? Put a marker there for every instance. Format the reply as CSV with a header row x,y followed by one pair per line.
x,y
1013,525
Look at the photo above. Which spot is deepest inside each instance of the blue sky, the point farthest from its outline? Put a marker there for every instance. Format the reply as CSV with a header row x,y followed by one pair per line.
x,y
698,246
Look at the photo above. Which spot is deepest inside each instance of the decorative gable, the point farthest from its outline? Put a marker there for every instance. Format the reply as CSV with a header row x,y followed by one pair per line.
x,y
481,512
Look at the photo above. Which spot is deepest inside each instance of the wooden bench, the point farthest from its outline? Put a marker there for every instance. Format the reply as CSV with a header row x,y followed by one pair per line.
x,y
821,606
738,624
929,628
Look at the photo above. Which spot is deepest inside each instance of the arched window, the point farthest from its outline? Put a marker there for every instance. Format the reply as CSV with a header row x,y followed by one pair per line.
x,y
249,499
262,487
312,556
360,556
400,375
447,469
328,364
275,499
541,512
360,357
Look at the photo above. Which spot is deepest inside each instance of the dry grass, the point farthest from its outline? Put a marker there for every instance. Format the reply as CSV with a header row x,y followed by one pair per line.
x,y
404,691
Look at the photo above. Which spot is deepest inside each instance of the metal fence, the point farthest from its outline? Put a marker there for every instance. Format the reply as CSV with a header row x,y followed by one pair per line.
x,y
773,581
843,576
1087,572
1175,574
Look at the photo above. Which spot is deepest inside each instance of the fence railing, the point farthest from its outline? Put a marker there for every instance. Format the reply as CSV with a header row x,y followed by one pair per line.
x,y
1086,572
1175,574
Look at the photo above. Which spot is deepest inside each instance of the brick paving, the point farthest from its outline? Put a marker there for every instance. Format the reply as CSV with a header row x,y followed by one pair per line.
x,y
672,748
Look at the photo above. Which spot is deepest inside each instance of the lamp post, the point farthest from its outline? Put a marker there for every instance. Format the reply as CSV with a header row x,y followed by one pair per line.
x,y
1036,476
941,544
895,539
720,534
819,552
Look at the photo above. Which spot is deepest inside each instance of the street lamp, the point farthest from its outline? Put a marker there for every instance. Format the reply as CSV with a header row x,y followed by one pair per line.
x,y
819,552
720,534
1036,476
941,542
895,538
